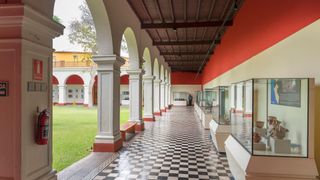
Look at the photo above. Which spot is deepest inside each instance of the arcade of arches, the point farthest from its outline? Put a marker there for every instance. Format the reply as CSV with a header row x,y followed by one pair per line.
x,y
265,128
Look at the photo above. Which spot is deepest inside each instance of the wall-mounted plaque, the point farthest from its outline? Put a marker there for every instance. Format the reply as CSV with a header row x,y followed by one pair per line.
x,y
37,86
4,88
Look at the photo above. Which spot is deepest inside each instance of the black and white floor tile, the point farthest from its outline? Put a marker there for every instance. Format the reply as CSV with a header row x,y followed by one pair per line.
x,y
174,147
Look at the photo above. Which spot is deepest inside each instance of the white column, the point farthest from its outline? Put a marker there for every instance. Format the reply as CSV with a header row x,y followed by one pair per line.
x,y
232,96
62,94
86,95
148,98
248,99
162,96
156,95
135,93
166,95
239,103
169,97
108,138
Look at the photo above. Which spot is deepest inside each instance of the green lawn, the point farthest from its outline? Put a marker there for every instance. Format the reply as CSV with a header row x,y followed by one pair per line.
x,y
74,129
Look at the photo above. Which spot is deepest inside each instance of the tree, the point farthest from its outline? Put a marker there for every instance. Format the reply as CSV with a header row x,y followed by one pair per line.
x,y
83,31
57,19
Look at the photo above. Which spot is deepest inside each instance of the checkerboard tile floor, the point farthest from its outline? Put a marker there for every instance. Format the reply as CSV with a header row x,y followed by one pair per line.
x,y
175,147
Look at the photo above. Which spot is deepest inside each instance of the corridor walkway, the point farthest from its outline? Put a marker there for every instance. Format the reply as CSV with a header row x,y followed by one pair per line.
x,y
175,147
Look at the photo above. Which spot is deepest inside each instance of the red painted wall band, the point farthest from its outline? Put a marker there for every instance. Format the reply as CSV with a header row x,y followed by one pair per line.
x,y
258,26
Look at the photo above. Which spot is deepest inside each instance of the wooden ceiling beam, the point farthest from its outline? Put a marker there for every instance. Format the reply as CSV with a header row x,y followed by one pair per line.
x,y
184,25
183,53
181,43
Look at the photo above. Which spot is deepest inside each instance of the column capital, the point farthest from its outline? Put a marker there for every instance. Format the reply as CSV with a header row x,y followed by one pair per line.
x,y
32,25
148,78
62,85
163,83
157,81
108,62
135,71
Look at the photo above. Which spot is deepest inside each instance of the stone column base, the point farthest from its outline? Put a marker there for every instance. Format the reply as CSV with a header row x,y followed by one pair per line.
x,y
157,113
139,127
148,119
247,115
108,147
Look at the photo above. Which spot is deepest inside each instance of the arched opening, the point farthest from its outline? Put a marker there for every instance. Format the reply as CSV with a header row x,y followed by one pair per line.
x,y
134,94
75,91
55,90
162,73
74,127
147,66
132,48
156,71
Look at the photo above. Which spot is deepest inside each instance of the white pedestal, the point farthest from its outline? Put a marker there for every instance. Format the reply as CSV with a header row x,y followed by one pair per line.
x,y
280,146
245,166
219,134
259,146
205,118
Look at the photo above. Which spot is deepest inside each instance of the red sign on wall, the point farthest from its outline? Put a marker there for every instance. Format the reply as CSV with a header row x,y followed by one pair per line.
x,y
37,69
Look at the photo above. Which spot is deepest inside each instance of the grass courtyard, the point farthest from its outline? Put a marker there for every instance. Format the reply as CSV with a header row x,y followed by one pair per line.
x,y
74,129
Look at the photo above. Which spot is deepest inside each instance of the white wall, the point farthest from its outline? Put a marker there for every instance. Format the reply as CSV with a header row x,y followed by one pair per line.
x,y
123,88
77,94
191,89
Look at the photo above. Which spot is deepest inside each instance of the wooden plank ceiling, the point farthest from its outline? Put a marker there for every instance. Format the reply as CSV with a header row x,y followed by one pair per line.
x,y
184,30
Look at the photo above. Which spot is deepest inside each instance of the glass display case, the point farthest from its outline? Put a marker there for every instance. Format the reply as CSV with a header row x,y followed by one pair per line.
x,y
180,98
198,97
220,123
207,99
221,105
271,117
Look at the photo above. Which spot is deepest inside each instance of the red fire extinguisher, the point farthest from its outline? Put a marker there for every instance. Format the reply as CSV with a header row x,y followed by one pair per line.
x,y
42,127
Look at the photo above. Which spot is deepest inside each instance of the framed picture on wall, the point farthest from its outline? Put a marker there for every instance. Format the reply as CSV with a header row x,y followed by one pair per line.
x,y
286,92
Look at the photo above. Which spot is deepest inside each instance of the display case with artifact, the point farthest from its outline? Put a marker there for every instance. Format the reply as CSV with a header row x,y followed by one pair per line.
x,y
220,123
180,98
272,129
203,106
197,107
206,107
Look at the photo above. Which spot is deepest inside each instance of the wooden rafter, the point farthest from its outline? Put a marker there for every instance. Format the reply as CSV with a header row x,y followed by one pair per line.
x,y
183,53
173,43
184,25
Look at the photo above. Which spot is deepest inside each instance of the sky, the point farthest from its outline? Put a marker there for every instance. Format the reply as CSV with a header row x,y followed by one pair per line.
x,y
66,11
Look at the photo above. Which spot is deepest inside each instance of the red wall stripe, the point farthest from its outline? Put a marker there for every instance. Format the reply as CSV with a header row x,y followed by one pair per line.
x,y
258,26
185,78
